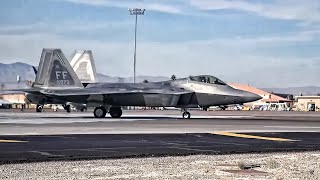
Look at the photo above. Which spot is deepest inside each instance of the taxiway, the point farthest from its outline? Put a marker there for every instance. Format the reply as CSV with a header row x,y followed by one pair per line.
x,y
26,137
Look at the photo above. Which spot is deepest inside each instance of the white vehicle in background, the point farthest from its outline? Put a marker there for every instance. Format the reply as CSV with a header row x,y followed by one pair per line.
x,y
238,108
57,107
263,107
278,107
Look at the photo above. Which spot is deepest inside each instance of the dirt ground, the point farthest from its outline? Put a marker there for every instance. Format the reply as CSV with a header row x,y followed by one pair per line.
x,y
276,166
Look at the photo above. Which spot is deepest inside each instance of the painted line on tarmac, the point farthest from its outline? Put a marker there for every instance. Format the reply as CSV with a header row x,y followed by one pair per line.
x,y
11,141
251,136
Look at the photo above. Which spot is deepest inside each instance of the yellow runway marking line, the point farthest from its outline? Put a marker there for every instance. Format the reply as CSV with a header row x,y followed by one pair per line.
x,y
251,136
11,141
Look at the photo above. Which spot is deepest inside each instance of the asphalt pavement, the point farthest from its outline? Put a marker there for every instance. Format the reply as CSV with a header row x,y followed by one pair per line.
x,y
27,137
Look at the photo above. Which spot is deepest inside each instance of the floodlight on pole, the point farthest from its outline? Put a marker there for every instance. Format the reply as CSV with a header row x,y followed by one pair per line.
x,y
136,12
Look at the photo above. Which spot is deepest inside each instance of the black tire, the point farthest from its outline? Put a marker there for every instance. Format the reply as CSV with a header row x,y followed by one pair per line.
x,y
39,108
115,112
186,115
67,108
100,112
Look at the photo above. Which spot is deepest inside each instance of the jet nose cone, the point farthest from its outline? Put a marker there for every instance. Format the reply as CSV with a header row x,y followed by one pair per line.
x,y
249,97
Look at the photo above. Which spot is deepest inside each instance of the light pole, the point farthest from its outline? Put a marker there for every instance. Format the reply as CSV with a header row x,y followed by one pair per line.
x,y
135,12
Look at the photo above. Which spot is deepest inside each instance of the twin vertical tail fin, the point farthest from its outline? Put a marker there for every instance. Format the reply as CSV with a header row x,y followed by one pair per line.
x,y
83,64
55,71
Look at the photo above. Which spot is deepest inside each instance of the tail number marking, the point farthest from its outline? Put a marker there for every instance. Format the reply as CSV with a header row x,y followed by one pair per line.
x,y
61,78
63,82
62,74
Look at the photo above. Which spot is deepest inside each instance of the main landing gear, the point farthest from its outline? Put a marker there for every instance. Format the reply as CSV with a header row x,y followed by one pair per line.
x,y
101,112
115,112
186,114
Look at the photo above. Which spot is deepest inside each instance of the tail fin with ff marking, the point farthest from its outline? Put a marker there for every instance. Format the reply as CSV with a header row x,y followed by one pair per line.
x,y
83,64
55,71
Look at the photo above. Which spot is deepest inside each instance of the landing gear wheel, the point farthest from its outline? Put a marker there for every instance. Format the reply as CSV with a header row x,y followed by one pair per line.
x,y
100,112
115,112
67,108
39,108
186,115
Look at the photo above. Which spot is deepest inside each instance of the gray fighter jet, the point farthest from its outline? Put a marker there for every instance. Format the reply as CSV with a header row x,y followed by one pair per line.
x,y
56,80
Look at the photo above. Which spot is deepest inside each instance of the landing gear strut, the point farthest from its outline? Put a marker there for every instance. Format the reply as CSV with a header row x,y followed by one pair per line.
x,y
115,112
100,112
186,114
39,108
67,108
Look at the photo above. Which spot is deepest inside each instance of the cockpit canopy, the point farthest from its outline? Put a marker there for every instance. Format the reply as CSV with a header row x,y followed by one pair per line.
x,y
207,79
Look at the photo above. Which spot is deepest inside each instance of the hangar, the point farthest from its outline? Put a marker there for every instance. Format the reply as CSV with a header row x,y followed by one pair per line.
x,y
267,98
307,103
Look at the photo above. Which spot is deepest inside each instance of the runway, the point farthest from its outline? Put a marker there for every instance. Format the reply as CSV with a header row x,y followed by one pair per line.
x,y
27,137
150,122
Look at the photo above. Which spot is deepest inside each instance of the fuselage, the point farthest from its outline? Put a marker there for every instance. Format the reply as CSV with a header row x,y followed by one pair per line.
x,y
178,93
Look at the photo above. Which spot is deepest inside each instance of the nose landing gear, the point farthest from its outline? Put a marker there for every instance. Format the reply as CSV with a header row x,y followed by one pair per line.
x,y
67,108
186,114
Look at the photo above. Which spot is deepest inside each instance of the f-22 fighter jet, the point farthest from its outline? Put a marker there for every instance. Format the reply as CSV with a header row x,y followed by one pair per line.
x,y
57,80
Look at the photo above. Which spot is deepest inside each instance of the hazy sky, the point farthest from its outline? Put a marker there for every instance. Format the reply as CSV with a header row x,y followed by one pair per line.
x,y
264,43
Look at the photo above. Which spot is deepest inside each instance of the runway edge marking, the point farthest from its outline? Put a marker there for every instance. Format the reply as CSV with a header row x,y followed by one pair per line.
x,y
251,136
11,141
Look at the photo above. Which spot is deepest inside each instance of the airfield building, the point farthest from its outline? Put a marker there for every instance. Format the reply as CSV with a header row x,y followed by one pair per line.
x,y
267,98
307,103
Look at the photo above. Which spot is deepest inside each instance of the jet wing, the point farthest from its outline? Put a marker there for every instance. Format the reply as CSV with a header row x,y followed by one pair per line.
x,y
20,91
11,92
109,91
